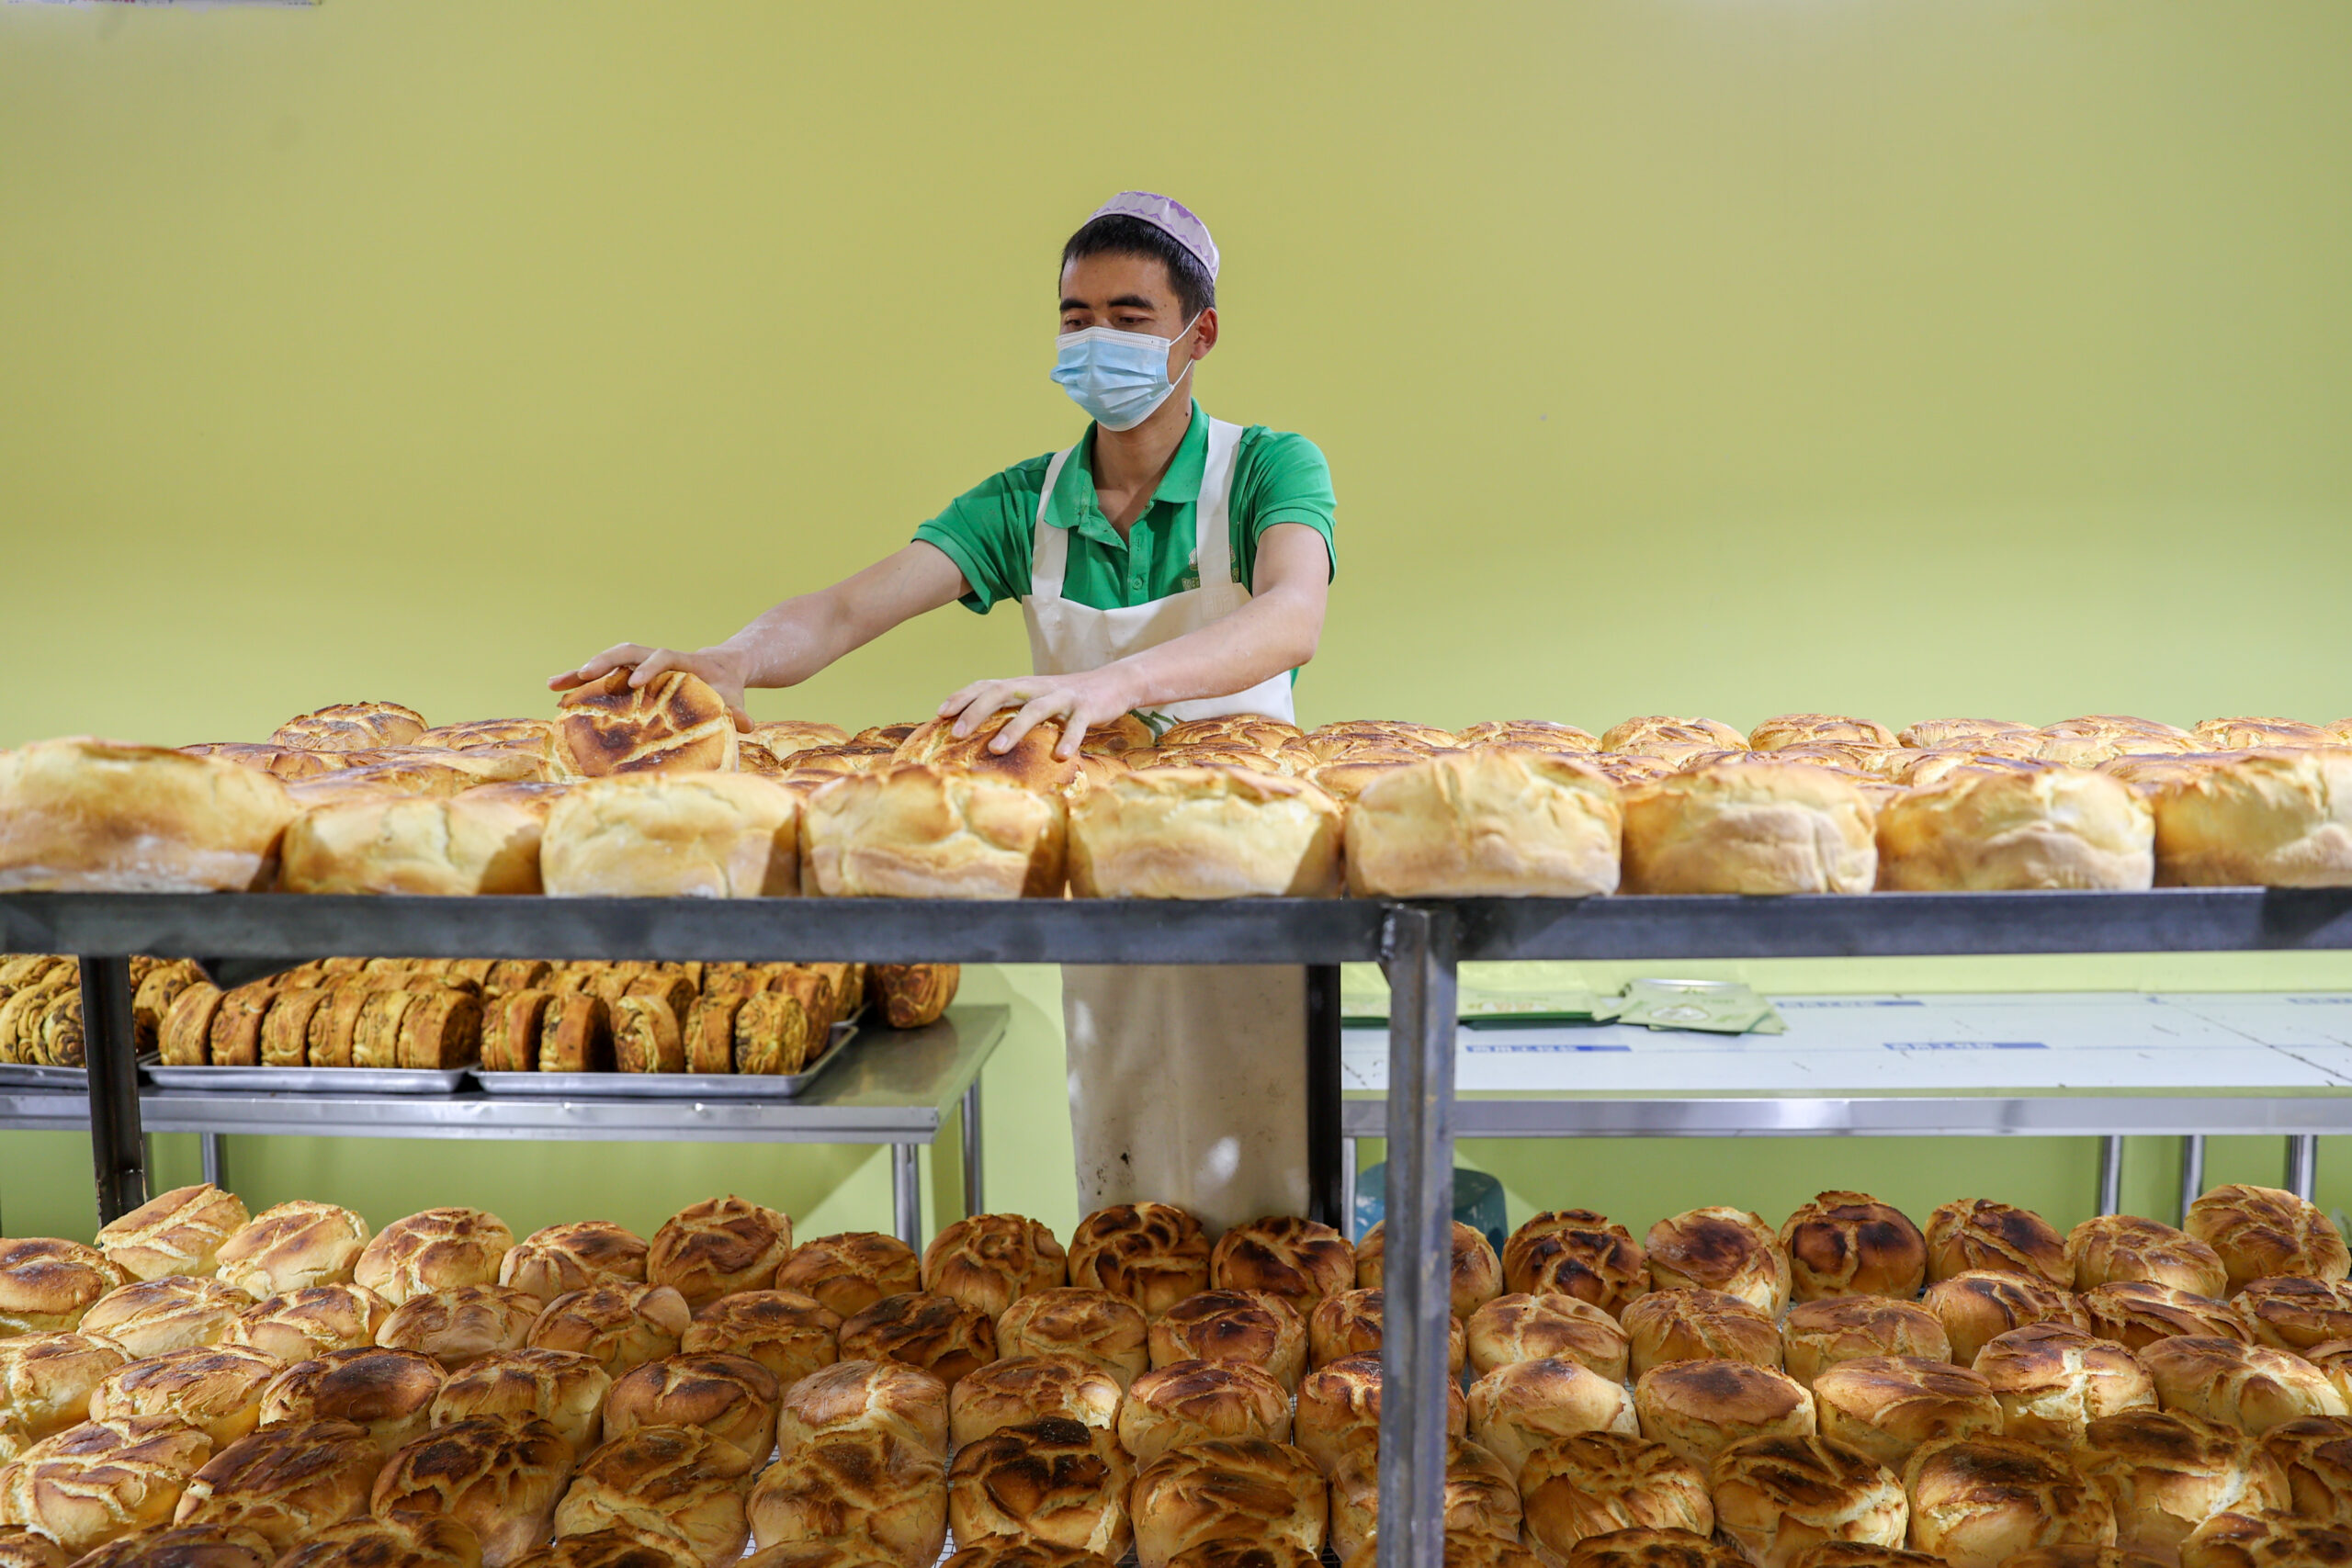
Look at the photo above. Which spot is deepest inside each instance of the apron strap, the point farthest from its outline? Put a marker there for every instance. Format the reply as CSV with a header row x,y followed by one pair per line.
x,y
1212,515
1049,551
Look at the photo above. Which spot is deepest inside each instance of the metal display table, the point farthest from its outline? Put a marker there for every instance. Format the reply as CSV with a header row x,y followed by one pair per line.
x,y
1419,946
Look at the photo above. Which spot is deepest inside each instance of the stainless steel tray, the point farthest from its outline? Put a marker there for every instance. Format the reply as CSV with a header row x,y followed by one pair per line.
x,y
671,1085
311,1080
31,1075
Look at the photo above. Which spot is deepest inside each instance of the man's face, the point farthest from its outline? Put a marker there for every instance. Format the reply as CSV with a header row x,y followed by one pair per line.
x,y
1132,294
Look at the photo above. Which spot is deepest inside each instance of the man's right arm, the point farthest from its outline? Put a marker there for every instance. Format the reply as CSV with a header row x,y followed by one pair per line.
x,y
800,637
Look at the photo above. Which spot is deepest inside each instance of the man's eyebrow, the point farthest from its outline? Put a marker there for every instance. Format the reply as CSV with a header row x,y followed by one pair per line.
x,y
1131,302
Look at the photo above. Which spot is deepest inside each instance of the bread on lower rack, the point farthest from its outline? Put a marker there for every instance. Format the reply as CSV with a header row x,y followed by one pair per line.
x,y
1700,1408
1233,1325
46,1380
433,1250
84,815
1244,1488
1575,1252
103,1480
1523,1327
789,1334
1886,1406
1518,1408
1475,1273
1480,1496
286,1483
46,1285
682,1485
389,1393
1768,827
2135,1314
870,1486
2125,1246
1593,1484
924,832
1719,1249
1354,1324
2049,826
1851,1243
850,1271
2237,1539
1153,1254
1689,1325
462,1325
411,1540
2166,1472
1975,1306
216,1388
2265,1232
1486,824
1019,1389
1204,833
178,1311
1049,1480
461,845
939,1333
618,1325
670,835
295,1326
578,1255
1979,1502
1980,1234
560,1387
500,1479
179,1232
2052,1379
1818,1335
1280,1255
1776,1496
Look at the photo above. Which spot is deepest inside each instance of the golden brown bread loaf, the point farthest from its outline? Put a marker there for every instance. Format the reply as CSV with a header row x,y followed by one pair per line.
x,y
620,1326
1204,833
912,996
1476,1273
1300,1260
1859,1554
674,723
922,832
1886,1406
500,1479
1528,735
455,846
183,1546
295,1326
558,1259
2252,1387
2053,1379
2263,1233
1480,1497
2246,1540
1594,1483
1193,1402
2247,734
1234,1326
2167,1474
432,1250
1644,735
1642,1547
789,1334
565,1390
717,1247
2295,1314
1777,1495
1108,1331
733,1397
1349,1324
1976,1306
291,1245
937,1333
536,736
1233,1551
988,1261
2273,818
1978,1502
2135,1314
2314,1455
672,835
1030,762
1339,1408
1689,1325
1699,1408
1845,1244
1758,829
1245,1489
285,1483
1723,1250
1255,730
862,1486
1977,1233
94,816
1812,728
1047,1480
462,1325
289,763
1523,1327
216,1388
24,1547
2124,1246
177,1312
682,1485
616,1547
850,1271
412,1541
511,1027
102,1480
388,1392
1820,1334
179,1232
1575,1252
783,738
47,1284
1153,1254
1517,1408
2049,827
46,1380
881,1395
351,726
1021,1388
1486,824
1931,733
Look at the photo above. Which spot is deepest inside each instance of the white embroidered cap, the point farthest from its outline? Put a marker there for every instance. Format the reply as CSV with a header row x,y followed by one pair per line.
x,y
1169,216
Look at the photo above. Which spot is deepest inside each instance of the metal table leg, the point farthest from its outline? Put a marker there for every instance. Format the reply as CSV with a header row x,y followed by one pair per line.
x,y
2303,1165
974,1203
209,1145
1347,1219
906,1192
109,1048
1327,1198
2111,1173
2192,1172
1418,954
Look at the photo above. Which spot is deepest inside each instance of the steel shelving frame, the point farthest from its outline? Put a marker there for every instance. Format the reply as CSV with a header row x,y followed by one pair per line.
x,y
1419,945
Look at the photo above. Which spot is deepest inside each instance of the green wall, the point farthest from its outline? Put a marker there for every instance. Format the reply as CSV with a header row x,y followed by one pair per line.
x,y
1670,355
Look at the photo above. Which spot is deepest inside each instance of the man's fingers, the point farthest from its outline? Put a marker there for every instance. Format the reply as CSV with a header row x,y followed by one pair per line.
x,y
1037,709
654,665
742,720
618,657
986,698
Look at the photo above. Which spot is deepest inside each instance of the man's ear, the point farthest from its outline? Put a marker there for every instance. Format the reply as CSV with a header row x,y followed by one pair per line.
x,y
1205,333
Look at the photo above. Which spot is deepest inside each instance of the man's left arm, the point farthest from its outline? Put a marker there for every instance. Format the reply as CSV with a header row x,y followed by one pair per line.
x,y
1277,630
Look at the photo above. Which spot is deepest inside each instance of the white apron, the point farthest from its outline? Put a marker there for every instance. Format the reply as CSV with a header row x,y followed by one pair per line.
x,y
1187,1082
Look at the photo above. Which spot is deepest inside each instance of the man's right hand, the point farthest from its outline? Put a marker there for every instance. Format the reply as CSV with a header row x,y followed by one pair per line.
x,y
722,668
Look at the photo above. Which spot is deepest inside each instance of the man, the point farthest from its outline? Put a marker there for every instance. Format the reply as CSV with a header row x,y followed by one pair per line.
x,y
1168,565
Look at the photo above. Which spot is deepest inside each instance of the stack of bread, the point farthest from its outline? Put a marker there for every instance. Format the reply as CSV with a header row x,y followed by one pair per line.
x,y
1848,1387
653,792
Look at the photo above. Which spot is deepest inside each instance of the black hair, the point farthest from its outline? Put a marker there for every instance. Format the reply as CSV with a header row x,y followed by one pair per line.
x,y
1117,234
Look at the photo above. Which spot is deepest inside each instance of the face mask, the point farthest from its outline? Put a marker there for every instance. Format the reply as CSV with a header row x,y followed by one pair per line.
x,y
1119,378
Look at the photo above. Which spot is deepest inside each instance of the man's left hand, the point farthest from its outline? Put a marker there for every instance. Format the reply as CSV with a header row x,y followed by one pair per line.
x,y
1079,702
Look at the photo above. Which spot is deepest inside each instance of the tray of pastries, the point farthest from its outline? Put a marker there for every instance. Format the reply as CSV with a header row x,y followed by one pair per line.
x,y
40,1015
610,1084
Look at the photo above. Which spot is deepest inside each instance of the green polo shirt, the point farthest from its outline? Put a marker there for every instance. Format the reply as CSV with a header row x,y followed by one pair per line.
x,y
989,531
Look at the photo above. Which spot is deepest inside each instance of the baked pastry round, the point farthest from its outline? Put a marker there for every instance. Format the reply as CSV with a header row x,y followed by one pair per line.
x,y
184,1546
1480,1497
1350,1325
433,1251
501,1479
1811,728
1729,1250
1821,1333
103,1479
1657,735
351,726
2263,1231
2243,1540
882,1395
47,1284
1476,1277
2167,1474
178,1311
2135,1314
284,1484
1094,1325
24,1547
1237,1488
1516,1409
565,1390
2050,826
729,1396
1153,1254
1527,735
1886,1406
179,1232
619,1326
850,1271
1977,1233
291,1245
1195,1401
1640,1548
1021,1388
860,1484
2333,1359
46,1380
2053,1379
559,1259
926,832
2315,1454
216,1388
462,1325
926,1329
1575,1252
412,1541
1486,824
1299,1260
1849,1244
389,1393
1975,1306
1523,1327
1700,1408
1776,1496
1757,829
1931,733
1978,1502
1047,1480
1686,1325
682,1485
1234,1326
1205,832
674,723
2264,818
2107,1247
717,1247
2251,1387
2295,1314
1595,1482
990,1261
1232,1551
1859,1554
295,1326
616,1547
789,1334
1339,1408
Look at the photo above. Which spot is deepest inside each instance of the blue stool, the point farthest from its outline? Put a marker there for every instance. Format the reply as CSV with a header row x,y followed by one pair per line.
x,y
1477,1202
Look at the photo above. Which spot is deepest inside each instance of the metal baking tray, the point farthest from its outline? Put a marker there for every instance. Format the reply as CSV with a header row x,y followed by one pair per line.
x,y
671,1085
311,1080
31,1075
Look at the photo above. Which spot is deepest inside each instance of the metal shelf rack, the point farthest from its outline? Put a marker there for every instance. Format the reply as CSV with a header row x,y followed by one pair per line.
x,y
1418,944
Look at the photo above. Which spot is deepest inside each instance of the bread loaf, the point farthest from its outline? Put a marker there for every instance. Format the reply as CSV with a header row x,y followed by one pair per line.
x,y
1657,735
1047,1480
2295,1314
286,1483
882,1395
184,1546
1687,1324
295,1326
215,1388
729,1396
2271,818
178,1311
1193,1402
683,1485
1777,1495
1978,1233
616,1547
2243,1541
672,835
789,1334
351,726
1230,1552
558,1259
1476,1273
46,1380
1349,1324
1029,762
1851,1243
1523,1327
1528,735
1976,1306
717,1247
179,1232
388,1392
2124,1246
455,846
565,1390
1931,733
2251,1387
1233,1325
291,1245
1978,1502
1154,1254
1819,1334
536,736
412,1541
2167,1474
988,1261
462,1325
619,1326
1488,823
2053,1379
500,1479
103,1480
674,723
1699,1408
95,816
1775,827
2263,1233
1887,1406
1299,1260
1231,1489
432,1250
1480,1497
938,1333
1021,1388
1720,1249
2314,1456
1098,1328
865,1487
24,1547
850,1271
2054,827
46,1285
1517,1408
1204,833
1575,1252
922,833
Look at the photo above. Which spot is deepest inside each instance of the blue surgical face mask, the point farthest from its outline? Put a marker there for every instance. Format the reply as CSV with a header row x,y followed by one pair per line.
x,y
1119,378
